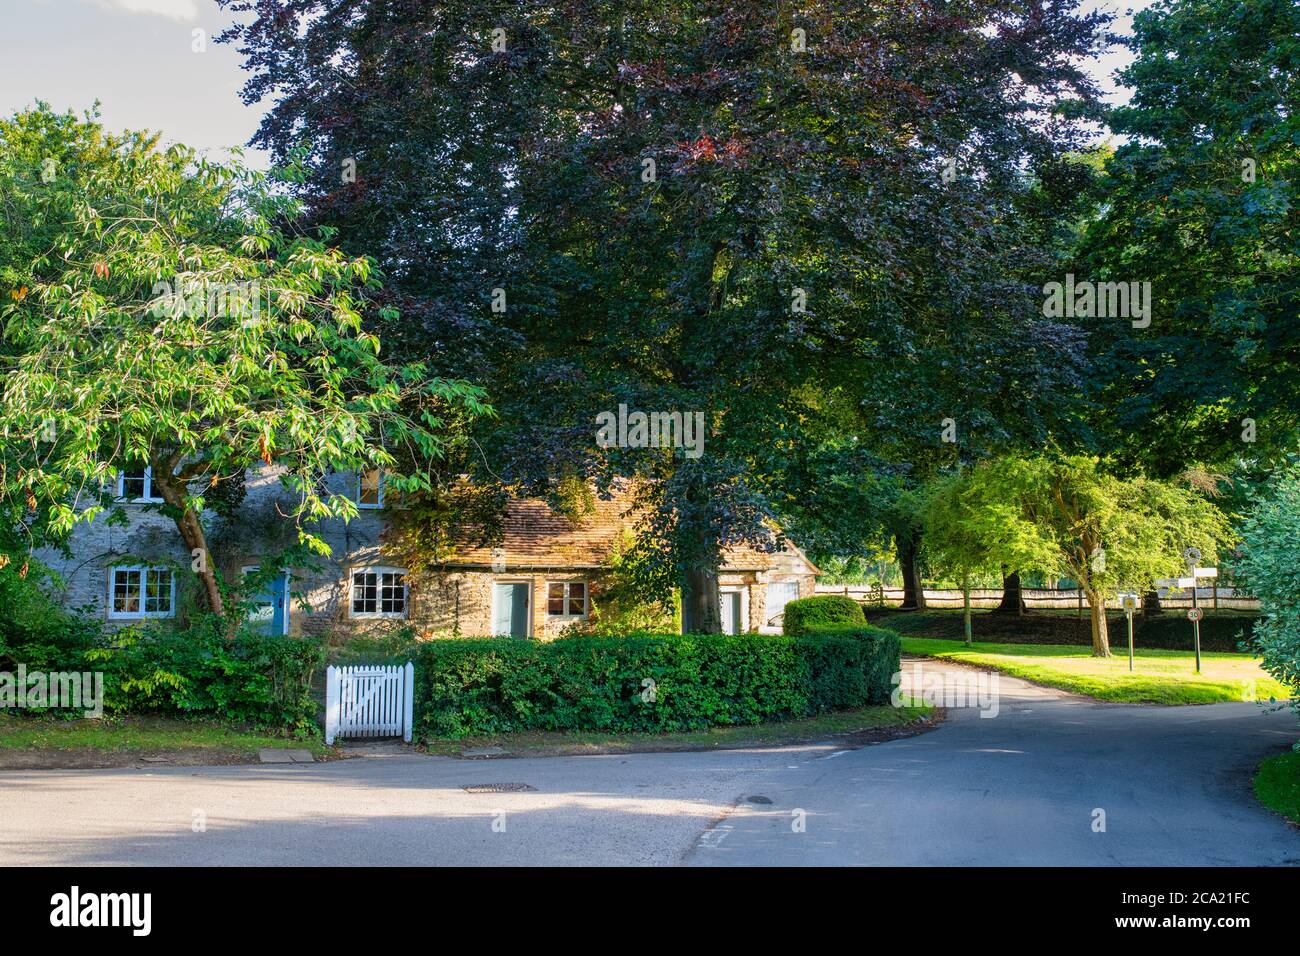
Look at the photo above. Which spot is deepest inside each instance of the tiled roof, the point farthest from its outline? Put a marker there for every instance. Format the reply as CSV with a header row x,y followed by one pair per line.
x,y
537,536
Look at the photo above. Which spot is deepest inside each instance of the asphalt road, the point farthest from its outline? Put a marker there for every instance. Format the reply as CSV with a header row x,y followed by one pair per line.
x,y
1024,787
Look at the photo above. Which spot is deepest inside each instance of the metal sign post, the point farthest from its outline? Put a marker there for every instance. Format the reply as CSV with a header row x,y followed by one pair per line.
x,y
1129,601
1194,614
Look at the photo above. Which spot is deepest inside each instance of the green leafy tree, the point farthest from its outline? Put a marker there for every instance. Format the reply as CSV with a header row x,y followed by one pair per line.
x,y
973,527
163,312
1067,514
1269,564
1201,201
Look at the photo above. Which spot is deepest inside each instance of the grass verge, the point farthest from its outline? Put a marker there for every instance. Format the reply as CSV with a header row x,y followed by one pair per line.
x,y
31,742
1159,676
1277,785
854,727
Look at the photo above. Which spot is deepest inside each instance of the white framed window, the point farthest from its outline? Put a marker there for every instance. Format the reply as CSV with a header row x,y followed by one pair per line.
x,y
370,488
135,483
379,592
140,591
566,599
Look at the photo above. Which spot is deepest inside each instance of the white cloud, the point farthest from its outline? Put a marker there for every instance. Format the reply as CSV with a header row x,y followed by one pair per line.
x,y
172,9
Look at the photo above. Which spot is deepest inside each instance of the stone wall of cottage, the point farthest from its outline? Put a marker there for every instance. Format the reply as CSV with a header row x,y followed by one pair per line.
x,y
460,601
260,529
453,601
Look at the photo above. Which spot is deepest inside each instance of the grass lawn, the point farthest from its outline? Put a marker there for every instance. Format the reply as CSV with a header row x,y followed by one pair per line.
x,y
1277,785
33,741
1220,630
858,726
1159,677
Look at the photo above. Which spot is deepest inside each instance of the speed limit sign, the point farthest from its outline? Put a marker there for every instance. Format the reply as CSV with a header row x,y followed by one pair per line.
x,y
1195,614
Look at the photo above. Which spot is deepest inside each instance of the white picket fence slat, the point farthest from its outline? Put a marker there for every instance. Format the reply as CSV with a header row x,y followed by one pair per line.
x,y
368,701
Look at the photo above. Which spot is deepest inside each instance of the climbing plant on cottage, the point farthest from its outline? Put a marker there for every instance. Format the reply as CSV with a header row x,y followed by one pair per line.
x,y
125,351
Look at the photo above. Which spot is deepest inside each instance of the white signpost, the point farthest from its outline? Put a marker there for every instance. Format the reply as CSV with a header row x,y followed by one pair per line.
x,y
1194,613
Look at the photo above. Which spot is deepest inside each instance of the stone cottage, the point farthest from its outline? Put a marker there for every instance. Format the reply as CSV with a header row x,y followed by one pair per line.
x,y
544,576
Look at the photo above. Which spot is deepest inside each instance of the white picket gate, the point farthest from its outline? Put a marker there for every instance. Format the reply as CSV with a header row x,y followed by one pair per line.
x,y
367,701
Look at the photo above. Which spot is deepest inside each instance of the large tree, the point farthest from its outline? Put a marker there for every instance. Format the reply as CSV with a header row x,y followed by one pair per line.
x,y
163,312
1201,201
733,209
1104,531
974,526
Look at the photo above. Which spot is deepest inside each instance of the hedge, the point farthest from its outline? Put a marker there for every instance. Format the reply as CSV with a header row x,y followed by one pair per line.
x,y
254,679
651,683
809,612
881,661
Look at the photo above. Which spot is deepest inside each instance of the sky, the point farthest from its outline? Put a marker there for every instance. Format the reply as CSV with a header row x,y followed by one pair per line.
x,y
140,59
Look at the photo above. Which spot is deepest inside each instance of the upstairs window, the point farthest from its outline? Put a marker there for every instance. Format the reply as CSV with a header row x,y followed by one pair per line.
x,y
135,483
566,599
370,488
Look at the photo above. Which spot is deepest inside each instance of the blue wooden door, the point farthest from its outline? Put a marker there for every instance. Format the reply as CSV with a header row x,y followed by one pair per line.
x,y
280,604
270,611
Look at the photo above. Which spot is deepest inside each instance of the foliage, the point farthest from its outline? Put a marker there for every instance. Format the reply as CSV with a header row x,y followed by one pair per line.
x,y
780,175
871,675
163,311
1269,563
620,604
36,631
805,613
643,682
1066,514
256,680
972,526
1201,201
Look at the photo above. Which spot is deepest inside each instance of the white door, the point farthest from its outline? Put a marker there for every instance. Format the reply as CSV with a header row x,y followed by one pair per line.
x,y
730,612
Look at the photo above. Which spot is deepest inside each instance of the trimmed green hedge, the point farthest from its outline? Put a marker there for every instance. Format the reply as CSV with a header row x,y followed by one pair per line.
x,y
881,660
645,682
810,612
260,680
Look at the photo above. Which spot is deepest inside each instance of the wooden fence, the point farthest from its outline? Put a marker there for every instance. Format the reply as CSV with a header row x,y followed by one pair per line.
x,y
1064,599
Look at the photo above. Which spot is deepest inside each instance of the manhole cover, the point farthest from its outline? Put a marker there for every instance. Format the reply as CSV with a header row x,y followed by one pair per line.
x,y
498,788
759,799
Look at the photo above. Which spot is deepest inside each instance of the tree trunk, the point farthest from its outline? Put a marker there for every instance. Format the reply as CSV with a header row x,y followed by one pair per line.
x,y
191,529
701,602
1151,603
1100,634
1013,600
907,545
